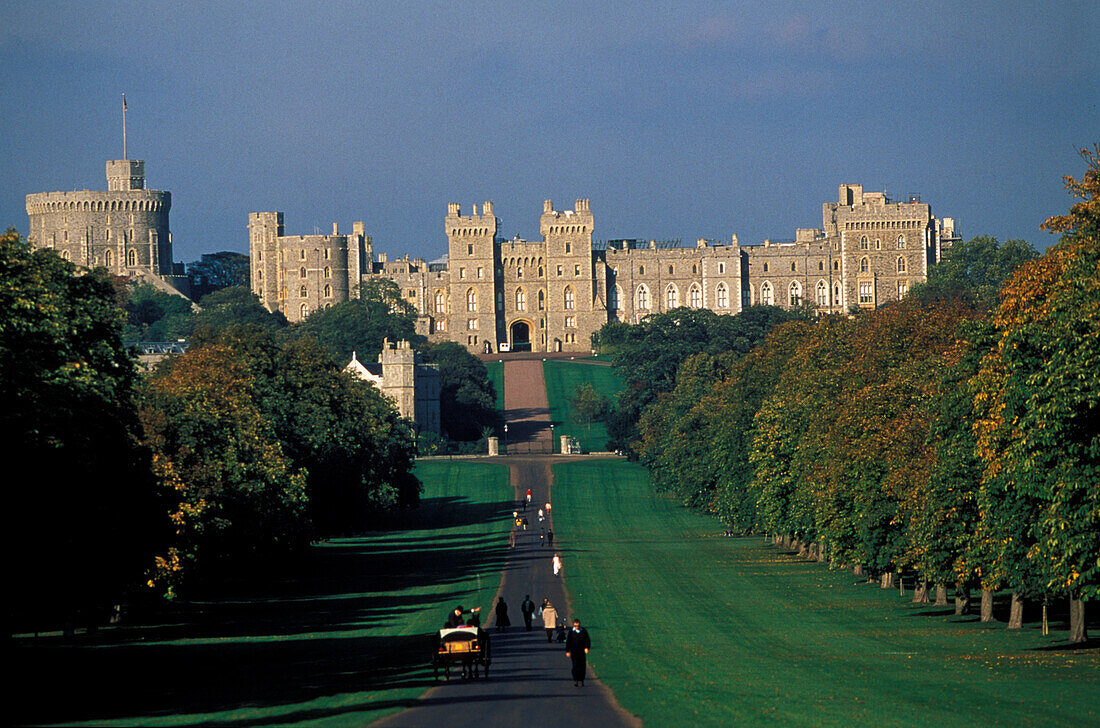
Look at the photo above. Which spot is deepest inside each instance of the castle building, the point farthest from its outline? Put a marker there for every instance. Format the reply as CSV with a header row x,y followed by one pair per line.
x,y
493,294
123,229
410,384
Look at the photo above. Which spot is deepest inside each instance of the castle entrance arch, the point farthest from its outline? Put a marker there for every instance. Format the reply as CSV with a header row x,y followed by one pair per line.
x,y
520,335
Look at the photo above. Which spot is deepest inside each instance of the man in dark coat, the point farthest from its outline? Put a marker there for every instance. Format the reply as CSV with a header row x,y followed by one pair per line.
x,y
528,610
502,615
576,649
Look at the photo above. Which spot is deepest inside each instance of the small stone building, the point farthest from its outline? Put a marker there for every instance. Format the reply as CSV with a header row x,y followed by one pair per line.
x,y
412,385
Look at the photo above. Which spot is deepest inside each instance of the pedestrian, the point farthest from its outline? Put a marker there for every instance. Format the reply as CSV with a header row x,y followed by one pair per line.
x,y
557,565
577,645
524,522
528,495
502,615
548,508
540,516
542,536
527,608
549,619
550,539
512,539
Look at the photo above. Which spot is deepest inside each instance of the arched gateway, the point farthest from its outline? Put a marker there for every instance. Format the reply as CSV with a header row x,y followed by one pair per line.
x,y
520,334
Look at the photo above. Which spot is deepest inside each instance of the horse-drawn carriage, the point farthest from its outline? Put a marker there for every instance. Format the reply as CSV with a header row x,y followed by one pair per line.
x,y
466,647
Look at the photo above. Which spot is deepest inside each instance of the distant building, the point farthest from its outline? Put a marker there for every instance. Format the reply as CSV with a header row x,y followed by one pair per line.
x,y
412,385
123,229
553,294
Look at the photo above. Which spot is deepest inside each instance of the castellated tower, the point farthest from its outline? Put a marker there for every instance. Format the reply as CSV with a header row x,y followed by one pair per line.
x,y
299,274
574,305
124,229
475,290
398,362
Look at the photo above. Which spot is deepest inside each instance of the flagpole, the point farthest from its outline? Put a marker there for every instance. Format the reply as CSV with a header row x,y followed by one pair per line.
x,y
124,127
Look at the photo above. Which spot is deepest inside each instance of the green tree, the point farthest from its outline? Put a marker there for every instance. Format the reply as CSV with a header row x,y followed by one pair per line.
x,y
467,398
229,307
153,315
214,271
361,324
81,512
975,269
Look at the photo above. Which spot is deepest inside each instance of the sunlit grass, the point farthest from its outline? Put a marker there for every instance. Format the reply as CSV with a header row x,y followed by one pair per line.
x,y
693,628
562,379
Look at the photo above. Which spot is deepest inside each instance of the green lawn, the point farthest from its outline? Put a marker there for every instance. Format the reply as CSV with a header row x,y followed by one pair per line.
x,y
496,376
694,629
562,379
340,642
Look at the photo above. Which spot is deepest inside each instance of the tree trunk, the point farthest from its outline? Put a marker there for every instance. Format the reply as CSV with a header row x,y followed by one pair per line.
x,y
886,581
901,584
941,595
857,570
1016,613
1046,624
962,600
1078,627
787,542
920,592
803,550
987,605
821,557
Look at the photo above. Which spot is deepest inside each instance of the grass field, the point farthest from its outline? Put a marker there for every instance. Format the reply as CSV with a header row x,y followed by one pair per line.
x,y
562,379
496,376
340,642
690,628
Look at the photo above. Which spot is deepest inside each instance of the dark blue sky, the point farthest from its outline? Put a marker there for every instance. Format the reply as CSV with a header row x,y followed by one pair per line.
x,y
677,119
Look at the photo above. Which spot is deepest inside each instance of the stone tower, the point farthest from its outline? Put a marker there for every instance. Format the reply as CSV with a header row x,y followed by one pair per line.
x,y
124,229
398,362
475,289
572,305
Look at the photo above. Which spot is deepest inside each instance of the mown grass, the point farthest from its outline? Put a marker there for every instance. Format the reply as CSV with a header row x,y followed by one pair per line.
x,y
341,641
496,376
562,379
691,628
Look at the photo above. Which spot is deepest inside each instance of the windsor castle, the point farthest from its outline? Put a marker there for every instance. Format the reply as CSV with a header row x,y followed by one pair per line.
x,y
493,294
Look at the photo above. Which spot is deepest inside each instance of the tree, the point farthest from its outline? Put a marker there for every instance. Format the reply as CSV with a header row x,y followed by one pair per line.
x,y
229,307
214,271
1038,430
361,324
975,269
154,315
467,398
82,514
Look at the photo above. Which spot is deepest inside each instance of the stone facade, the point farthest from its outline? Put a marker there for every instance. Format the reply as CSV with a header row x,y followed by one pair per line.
x,y
412,385
124,229
552,294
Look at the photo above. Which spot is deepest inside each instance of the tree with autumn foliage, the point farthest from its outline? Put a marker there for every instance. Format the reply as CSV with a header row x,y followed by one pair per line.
x,y
1038,430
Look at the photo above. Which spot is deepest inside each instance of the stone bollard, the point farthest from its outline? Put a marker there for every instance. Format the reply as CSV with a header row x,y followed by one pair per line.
x,y
494,446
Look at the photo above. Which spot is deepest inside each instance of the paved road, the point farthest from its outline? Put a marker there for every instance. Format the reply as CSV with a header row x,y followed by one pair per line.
x,y
529,681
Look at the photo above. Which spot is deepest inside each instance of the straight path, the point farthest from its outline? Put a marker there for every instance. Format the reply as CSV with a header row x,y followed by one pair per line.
x,y
529,680
526,409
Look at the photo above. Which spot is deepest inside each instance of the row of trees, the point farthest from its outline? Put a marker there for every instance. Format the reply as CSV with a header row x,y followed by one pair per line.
x,y
954,434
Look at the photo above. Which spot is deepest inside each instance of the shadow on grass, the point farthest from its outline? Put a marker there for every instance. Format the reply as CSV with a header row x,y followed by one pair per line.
x,y
304,647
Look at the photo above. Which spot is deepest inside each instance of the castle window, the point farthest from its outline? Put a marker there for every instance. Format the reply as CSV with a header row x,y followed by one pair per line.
x,y
259,274
794,267
559,270
303,310
540,271
903,288
641,270
836,265
412,293
863,244
836,294
866,292
302,272
131,257
642,298
328,291
570,322
722,294
302,254
521,300
695,296
439,302
259,255
721,268
568,248
568,298
519,272
794,294
864,264
461,272
480,272
542,300
765,267
107,258
766,298
901,265
821,265
469,250
302,293
901,242
694,269
613,296
672,297
471,300
822,294
328,272
576,270
878,244
670,270
326,253
471,324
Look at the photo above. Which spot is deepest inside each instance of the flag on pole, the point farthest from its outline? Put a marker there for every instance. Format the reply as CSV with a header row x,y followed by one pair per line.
x,y
124,102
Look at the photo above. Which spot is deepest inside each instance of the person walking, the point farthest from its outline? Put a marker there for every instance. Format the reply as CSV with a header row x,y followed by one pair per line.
x,y
550,539
528,495
527,608
549,619
502,615
577,644
557,565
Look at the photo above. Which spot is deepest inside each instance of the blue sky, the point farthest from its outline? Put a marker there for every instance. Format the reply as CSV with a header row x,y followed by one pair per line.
x,y
676,119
